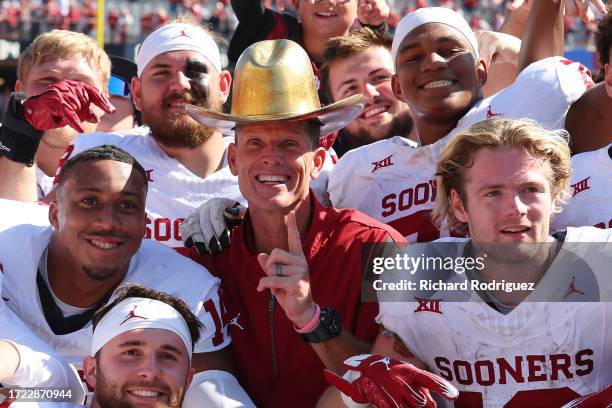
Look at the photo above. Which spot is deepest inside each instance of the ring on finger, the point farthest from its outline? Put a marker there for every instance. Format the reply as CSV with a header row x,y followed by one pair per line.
x,y
279,270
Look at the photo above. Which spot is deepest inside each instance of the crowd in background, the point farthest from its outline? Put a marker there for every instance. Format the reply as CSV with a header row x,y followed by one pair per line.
x,y
129,21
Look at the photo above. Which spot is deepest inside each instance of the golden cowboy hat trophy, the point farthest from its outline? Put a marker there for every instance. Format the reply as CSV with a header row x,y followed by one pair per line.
x,y
274,82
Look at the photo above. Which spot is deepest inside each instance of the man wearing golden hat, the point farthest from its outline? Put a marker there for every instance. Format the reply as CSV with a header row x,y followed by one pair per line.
x,y
292,276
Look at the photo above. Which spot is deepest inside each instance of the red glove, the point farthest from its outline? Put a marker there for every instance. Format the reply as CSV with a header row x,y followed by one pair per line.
x,y
600,399
386,382
65,103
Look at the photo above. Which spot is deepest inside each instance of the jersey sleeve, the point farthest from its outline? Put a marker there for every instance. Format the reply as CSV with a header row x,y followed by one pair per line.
x,y
548,88
40,365
17,212
212,312
347,183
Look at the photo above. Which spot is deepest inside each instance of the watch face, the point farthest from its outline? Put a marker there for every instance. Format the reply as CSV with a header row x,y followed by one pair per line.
x,y
330,326
331,320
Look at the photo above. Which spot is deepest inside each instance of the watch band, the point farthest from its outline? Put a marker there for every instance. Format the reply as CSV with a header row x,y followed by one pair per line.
x,y
330,326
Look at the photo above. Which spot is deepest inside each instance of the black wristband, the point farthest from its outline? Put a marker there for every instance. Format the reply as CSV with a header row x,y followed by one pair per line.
x,y
18,139
381,27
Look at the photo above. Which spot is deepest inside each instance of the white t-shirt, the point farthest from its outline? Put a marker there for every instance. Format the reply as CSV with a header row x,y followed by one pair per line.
x,y
174,191
591,191
394,183
539,351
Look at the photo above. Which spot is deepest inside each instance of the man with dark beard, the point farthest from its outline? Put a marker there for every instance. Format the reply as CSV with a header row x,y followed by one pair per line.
x,y
185,161
361,63
141,350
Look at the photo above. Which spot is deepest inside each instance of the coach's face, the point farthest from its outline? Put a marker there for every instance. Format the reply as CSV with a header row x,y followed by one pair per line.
x,y
167,83
99,217
437,74
140,368
507,199
369,73
274,164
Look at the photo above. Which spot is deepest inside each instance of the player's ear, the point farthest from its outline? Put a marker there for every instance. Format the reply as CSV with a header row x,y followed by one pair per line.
x,y
482,71
89,371
225,82
397,89
190,377
457,206
136,92
53,215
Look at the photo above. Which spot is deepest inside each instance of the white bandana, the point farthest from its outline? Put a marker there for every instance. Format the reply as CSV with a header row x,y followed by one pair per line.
x,y
425,15
140,313
177,37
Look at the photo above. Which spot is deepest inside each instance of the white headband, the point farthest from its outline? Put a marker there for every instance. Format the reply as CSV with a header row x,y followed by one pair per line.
x,y
177,37
425,15
140,313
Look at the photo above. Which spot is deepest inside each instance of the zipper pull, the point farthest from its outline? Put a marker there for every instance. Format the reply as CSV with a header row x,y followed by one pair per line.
x,y
271,303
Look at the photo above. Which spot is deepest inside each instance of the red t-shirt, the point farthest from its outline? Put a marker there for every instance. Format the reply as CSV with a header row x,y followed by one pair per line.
x,y
333,249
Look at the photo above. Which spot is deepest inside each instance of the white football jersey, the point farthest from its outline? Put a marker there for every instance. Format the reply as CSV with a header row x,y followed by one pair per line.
x,y
394,183
44,183
154,266
40,365
174,191
19,212
541,354
591,191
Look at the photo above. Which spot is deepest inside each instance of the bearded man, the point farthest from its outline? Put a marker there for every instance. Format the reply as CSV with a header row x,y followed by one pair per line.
x,y
185,162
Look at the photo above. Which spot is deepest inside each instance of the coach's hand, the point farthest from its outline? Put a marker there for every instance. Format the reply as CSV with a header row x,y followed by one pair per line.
x,y
288,277
208,228
602,398
65,103
387,382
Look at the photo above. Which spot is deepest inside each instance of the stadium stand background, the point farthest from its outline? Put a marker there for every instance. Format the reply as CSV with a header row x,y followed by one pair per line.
x,y
128,21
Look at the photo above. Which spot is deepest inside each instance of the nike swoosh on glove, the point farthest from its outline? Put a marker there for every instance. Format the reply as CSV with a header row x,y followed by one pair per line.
x,y
389,383
599,399
65,103
208,228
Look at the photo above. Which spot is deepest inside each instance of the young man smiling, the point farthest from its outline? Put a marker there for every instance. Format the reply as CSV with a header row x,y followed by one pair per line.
x,y
361,63
141,350
439,74
502,181
293,265
60,275
52,58
186,163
